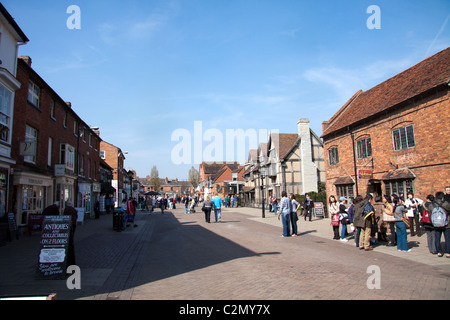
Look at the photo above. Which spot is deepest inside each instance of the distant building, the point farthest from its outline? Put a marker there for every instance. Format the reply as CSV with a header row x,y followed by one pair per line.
x,y
393,138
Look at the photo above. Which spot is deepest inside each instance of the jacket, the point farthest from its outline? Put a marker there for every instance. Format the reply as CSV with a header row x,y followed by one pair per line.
x,y
445,205
207,205
358,221
285,205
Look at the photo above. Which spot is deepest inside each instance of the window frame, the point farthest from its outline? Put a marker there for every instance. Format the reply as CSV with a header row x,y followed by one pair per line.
x,y
333,155
403,138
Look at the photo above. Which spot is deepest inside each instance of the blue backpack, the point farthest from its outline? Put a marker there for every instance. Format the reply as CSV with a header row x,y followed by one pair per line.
x,y
438,217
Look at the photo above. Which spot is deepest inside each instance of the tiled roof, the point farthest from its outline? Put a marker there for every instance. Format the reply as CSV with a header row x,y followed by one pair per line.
x,y
283,142
426,75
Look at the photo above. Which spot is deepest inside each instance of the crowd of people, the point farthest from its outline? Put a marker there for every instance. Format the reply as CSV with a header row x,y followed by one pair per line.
x,y
370,219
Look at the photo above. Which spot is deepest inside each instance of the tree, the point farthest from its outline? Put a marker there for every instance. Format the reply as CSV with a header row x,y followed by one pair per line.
x,y
154,179
194,177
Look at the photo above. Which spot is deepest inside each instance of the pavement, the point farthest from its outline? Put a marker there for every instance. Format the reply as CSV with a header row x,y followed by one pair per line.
x,y
178,256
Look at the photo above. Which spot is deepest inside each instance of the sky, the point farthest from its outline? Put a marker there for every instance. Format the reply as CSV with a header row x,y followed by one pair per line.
x,y
160,76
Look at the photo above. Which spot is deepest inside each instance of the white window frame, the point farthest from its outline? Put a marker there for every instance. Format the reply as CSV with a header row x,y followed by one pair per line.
x,y
5,113
31,136
34,93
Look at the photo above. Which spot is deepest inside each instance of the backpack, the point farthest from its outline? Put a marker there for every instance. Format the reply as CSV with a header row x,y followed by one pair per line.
x,y
438,217
426,217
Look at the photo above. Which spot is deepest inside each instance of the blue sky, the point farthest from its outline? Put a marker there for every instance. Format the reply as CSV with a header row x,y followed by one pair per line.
x,y
142,69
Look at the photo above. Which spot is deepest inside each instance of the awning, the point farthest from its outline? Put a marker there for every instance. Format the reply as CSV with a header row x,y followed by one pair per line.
x,y
399,174
344,180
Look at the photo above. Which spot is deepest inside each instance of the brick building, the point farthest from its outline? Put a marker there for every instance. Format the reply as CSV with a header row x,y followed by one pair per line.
x,y
56,152
393,138
115,158
222,178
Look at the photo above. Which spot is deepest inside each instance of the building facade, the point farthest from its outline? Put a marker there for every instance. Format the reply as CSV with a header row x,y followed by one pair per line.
x,y
11,38
394,137
115,158
57,154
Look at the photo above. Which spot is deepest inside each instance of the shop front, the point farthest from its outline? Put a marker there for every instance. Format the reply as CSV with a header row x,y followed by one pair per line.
x,y
84,198
32,193
64,190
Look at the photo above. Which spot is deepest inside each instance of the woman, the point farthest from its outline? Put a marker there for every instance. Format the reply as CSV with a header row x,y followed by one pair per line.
x,y
285,212
343,217
206,208
334,214
399,212
388,218
367,214
412,205
428,226
294,206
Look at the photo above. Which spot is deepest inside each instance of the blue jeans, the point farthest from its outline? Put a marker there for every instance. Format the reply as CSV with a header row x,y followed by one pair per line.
x,y
274,206
344,229
437,239
402,242
286,220
217,213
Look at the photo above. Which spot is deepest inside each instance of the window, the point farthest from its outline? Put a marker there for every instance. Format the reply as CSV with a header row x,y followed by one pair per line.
x,y
67,156
399,187
31,137
333,156
5,113
33,94
345,190
65,120
75,128
52,109
32,198
49,155
364,148
403,138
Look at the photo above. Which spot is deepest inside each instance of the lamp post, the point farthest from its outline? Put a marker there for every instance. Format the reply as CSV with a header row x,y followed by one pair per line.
x,y
263,175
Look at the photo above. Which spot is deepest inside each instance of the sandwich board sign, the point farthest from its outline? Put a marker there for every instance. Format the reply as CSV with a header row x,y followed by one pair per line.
x,y
55,234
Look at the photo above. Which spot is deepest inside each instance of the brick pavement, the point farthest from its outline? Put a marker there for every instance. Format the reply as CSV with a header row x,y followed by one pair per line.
x,y
176,256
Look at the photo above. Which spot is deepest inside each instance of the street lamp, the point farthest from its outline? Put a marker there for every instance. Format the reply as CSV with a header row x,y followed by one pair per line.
x,y
263,175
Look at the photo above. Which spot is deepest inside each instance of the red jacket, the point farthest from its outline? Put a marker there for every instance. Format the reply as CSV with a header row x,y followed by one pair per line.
x,y
130,208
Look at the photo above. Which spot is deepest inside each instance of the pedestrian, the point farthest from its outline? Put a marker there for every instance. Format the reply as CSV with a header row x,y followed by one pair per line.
x,y
97,209
52,210
399,213
380,227
358,221
368,214
108,204
388,219
236,200
131,212
285,213
206,208
412,205
226,201
274,204
343,217
186,204
307,207
71,211
447,194
334,214
232,201
440,204
217,207
294,217
428,226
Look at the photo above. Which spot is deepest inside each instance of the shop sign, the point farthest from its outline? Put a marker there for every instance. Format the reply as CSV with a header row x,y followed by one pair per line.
x,y
60,170
365,174
52,262
318,209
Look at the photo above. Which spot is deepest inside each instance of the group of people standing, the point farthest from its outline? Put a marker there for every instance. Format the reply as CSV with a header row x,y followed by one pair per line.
x,y
370,219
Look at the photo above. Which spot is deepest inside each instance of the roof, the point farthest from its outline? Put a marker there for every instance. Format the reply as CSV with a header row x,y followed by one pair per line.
x,y
13,23
283,142
424,76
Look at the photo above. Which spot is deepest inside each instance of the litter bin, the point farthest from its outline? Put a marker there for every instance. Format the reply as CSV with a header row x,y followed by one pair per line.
x,y
119,222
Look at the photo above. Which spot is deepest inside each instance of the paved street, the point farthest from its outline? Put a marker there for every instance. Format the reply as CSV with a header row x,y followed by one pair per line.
x,y
178,256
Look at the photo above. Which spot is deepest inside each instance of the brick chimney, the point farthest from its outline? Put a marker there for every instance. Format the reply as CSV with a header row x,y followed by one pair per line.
x,y
26,59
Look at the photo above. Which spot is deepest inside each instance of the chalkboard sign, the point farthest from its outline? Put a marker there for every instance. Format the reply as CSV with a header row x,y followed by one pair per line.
x,y
52,262
318,209
12,225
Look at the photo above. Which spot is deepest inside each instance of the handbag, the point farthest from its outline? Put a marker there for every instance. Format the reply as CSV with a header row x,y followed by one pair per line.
x,y
406,221
335,220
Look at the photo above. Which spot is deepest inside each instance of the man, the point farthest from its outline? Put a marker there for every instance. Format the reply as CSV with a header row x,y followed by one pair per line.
x,y
439,201
447,194
217,207
52,210
70,211
307,205
131,212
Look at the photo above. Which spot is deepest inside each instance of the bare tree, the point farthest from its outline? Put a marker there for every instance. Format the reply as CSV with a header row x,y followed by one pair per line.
x,y
194,177
154,179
